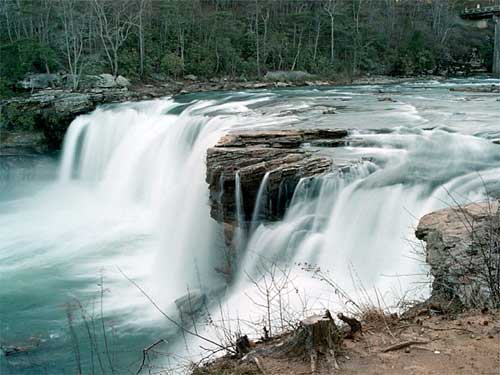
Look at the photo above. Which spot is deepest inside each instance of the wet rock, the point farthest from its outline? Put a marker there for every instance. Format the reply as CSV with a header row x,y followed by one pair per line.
x,y
22,143
329,143
252,154
191,305
48,113
463,252
479,89
330,111
387,99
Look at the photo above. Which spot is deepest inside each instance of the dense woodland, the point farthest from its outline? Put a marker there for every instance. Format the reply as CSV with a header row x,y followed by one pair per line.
x,y
238,39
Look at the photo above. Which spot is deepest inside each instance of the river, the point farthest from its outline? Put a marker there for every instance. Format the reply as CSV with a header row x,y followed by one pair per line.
x,y
128,197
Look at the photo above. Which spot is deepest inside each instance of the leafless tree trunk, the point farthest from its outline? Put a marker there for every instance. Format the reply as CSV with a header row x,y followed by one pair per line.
x,y
257,47
299,46
74,31
356,9
141,37
114,24
6,13
264,44
316,40
330,8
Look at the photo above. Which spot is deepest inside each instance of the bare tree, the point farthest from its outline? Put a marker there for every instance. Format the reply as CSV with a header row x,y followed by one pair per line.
x,y
114,21
257,45
74,37
140,28
330,8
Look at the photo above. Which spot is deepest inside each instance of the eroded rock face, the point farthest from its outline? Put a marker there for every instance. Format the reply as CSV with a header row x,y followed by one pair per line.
x,y
463,251
48,113
252,154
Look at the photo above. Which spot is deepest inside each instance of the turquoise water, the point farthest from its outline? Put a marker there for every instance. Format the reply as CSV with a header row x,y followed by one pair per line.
x,y
128,193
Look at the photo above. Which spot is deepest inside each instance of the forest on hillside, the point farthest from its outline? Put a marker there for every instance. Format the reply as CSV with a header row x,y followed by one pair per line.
x,y
238,39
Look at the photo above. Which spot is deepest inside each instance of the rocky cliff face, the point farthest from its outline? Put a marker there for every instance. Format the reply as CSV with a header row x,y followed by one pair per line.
x,y
252,155
463,252
45,115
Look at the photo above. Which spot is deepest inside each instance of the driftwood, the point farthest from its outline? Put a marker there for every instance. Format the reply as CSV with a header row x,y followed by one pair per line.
x,y
145,352
11,350
20,349
403,345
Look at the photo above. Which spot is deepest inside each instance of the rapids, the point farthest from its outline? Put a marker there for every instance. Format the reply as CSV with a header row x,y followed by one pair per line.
x,y
128,195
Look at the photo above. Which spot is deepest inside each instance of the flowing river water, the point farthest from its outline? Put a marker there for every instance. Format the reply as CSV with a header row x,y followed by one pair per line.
x,y
128,196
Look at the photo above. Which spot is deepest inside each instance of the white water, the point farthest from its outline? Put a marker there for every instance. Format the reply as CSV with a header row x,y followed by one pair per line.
x,y
260,200
131,193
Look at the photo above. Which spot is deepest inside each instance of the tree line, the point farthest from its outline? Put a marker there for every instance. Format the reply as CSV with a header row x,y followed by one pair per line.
x,y
145,39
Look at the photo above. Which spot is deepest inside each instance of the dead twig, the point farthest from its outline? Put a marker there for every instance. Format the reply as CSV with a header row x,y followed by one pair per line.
x,y
403,345
145,352
173,321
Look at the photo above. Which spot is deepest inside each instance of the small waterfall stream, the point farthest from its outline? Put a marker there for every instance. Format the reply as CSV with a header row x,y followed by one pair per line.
x,y
260,201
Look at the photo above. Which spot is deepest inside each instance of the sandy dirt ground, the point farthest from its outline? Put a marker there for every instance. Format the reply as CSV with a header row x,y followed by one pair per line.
x,y
467,344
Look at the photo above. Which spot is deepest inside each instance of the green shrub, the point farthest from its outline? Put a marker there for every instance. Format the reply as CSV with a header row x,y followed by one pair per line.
x,y
24,56
171,64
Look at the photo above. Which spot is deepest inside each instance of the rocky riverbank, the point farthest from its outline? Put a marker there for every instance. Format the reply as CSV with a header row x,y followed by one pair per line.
x,y
35,122
463,252
489,89
387,344
455,332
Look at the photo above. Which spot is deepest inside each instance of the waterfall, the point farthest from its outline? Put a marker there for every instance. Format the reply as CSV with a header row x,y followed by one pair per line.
x,y
131,193
240,215
261,196
297,234
359,223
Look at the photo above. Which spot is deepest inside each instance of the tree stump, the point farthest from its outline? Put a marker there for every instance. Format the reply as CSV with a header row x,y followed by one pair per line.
x,y
318,335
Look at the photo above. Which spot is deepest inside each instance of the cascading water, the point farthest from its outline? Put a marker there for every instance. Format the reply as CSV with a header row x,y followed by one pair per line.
x,y
259,201
131,193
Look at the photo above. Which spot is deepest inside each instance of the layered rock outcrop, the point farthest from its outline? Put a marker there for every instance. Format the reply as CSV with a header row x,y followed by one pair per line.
x,y
494,89
45,115
247,158
252,155
463,252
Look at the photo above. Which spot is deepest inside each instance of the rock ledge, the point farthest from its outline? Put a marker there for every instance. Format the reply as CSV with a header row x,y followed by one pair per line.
x,y
463,252
253,154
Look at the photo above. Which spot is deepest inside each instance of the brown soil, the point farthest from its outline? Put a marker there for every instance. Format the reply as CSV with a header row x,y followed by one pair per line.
x,y
468,344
